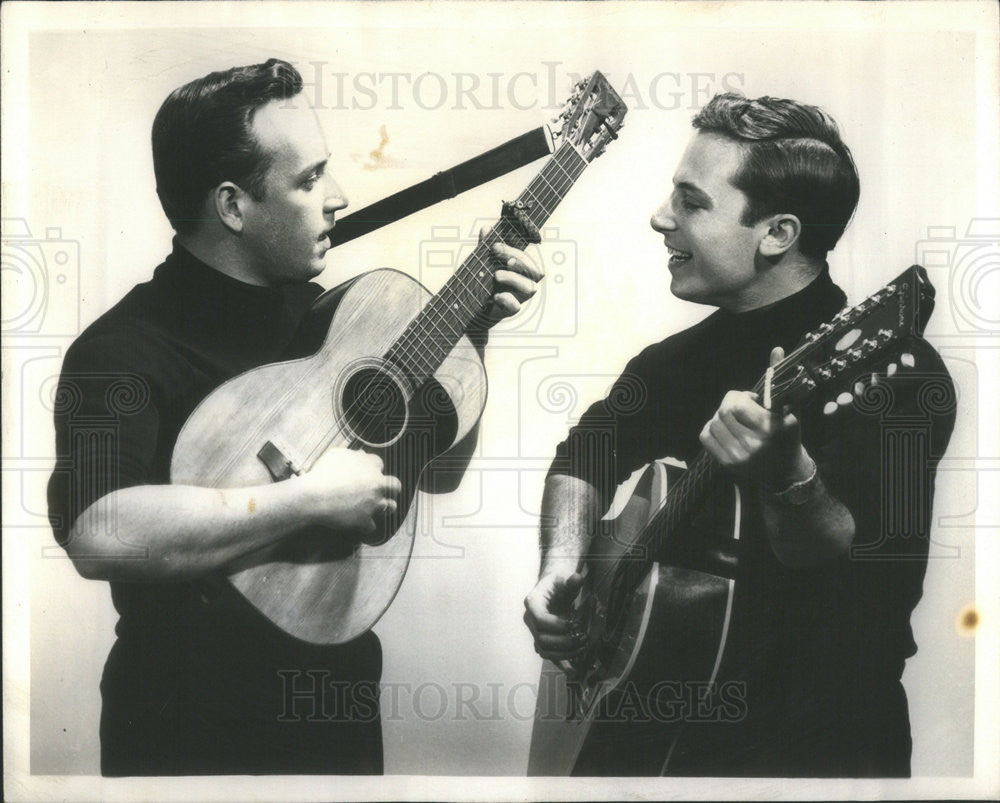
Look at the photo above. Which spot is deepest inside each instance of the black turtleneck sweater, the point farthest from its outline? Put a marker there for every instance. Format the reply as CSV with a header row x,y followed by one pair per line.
x,y
818,653
198,681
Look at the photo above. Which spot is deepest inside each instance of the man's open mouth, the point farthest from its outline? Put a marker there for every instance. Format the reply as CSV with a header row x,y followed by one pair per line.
x,y
677,256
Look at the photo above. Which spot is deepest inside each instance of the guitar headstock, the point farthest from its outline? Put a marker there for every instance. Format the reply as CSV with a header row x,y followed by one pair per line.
x,y
876,329
592,116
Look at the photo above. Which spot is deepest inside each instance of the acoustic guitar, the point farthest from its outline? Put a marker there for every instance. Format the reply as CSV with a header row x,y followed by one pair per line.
x,y
661,574
380,364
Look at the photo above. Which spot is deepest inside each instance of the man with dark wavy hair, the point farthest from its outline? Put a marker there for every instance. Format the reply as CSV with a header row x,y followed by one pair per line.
x,y
819,628
198,681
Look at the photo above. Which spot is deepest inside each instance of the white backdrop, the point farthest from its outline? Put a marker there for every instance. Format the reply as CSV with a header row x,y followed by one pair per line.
x,y
913,87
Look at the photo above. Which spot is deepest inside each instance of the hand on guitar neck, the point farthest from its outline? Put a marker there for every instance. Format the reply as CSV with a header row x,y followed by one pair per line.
x,y
804,523
749,439
514,283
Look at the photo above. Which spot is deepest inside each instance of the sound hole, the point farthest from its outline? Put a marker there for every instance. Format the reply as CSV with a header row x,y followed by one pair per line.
x,y
374,406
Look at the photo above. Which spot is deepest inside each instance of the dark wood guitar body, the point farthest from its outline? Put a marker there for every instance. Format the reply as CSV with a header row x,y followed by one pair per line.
x,y
654,645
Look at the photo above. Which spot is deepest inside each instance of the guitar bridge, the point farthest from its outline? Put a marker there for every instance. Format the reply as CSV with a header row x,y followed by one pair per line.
x,y
279,466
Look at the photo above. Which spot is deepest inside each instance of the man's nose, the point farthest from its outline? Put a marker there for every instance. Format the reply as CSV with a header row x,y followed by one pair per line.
x,y
663,219
335,198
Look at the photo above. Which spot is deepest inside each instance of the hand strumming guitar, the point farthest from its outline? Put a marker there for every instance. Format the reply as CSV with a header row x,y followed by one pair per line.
x,y
347,490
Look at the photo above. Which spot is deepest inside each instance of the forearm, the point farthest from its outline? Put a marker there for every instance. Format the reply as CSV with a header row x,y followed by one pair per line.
x,y
155,533
570,512
810,529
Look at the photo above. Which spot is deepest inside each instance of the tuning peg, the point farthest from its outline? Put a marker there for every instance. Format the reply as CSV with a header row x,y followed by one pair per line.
x,y
891,369
844,399
907,359
830,408
859,388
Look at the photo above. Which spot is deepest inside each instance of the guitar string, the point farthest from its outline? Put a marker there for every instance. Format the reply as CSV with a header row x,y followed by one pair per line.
x,y
450,298
433,309
409,342
433,353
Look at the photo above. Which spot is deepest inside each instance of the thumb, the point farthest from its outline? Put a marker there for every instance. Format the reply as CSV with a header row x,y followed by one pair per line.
x,y
570,586
777,355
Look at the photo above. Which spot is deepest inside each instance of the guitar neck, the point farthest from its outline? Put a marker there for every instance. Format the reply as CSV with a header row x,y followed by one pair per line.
x,y
684,498
430,337
853,338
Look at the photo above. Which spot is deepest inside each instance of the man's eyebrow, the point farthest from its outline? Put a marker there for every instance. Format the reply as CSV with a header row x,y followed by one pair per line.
x,y
313,168
689,187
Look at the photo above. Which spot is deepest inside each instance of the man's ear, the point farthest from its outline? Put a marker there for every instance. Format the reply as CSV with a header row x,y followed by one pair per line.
x,y
228,200
781,233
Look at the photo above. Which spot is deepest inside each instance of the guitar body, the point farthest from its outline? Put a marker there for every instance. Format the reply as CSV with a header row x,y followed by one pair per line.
x,y
661,576
621,715
315,585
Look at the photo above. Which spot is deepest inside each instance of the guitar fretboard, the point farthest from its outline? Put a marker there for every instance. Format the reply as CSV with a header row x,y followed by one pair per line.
x,y
422,347
684,498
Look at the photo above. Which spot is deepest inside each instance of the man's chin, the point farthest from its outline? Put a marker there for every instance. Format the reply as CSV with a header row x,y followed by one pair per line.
x,y
316,267
685,292
679,288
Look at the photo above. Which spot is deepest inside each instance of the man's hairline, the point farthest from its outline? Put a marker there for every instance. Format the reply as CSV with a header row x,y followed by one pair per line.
x,y
270,153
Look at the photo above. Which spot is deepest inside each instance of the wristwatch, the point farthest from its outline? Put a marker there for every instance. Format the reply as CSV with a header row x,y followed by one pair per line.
x,y
798,493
